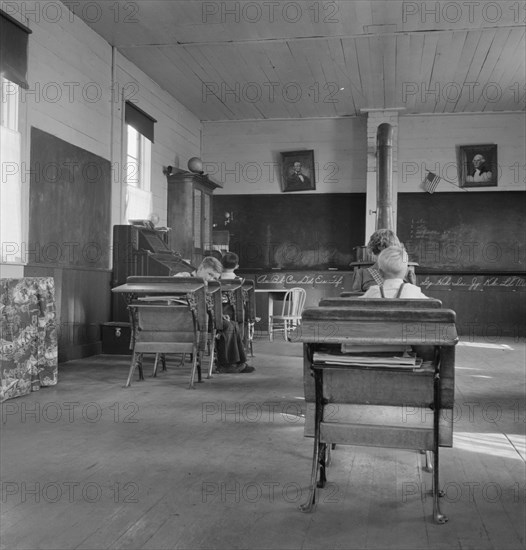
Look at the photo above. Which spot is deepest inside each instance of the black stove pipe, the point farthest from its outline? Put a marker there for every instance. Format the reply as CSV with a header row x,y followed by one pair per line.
x,y
384,177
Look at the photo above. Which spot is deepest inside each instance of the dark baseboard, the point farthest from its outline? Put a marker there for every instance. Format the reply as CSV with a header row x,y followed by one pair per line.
x,y
79,351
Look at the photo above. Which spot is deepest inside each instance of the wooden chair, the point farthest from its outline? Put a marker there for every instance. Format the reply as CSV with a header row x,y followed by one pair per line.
x,y
290,318
361,404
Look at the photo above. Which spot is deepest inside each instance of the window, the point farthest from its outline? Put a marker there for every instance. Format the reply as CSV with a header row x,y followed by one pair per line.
x,y
9,94
13,69
137,172
137,169
11,184
138,160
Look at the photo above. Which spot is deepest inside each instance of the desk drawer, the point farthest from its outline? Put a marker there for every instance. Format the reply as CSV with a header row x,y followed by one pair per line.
x,y
378,387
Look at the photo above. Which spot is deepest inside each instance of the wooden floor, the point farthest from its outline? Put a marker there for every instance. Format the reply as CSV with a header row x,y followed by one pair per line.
x,y
89,464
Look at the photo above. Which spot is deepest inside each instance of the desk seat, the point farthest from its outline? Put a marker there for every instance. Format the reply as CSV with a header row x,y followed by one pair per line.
x,y
384,404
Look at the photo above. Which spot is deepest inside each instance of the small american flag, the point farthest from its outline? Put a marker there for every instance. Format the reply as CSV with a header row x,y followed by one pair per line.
x,y
431,182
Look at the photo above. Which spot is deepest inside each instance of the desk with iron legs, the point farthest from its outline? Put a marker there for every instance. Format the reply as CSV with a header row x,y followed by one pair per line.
x,y
249,301
378,405
167,315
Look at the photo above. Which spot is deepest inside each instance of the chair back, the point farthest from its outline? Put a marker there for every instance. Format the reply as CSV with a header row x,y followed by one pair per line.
x,y
294,302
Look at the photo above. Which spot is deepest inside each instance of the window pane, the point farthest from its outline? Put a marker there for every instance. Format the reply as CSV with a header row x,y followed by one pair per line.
x,y
132,169
146,163
133,143
137,171
10,197
9,93
11,184
138,204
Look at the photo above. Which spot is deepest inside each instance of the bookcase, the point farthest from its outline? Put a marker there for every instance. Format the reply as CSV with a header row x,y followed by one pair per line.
x,y
189,213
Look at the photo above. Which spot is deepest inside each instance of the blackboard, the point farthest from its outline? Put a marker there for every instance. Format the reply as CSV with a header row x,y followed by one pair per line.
x,y
69,204
472,231
306,232
491,306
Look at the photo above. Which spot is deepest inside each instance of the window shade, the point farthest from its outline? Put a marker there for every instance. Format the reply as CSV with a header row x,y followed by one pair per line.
x,y
13,50
141,121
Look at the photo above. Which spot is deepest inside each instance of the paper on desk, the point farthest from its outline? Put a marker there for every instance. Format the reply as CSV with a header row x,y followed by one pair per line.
x,y
163,299
383,348
367,360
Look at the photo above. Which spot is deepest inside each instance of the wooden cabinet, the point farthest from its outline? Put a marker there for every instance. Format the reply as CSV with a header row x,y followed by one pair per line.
x,y
189,214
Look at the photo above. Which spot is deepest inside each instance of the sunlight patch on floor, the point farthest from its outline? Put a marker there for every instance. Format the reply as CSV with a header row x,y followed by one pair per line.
x,y
495,444
487,346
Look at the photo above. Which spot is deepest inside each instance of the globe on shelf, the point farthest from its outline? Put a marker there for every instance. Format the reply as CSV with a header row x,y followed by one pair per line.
x,y
195,164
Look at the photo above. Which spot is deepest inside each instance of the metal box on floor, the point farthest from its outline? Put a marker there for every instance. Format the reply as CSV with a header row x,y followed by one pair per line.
x,y
116,338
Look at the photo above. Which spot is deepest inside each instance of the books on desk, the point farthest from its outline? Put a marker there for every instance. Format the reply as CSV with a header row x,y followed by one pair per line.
x,y
404,361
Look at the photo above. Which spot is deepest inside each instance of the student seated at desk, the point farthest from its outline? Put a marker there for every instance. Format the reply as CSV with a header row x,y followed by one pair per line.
x,y
230,263
231,356
364,278
392,263
209,270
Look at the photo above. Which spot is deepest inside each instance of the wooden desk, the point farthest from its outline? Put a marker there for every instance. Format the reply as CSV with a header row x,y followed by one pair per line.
x,y
374,405
162,324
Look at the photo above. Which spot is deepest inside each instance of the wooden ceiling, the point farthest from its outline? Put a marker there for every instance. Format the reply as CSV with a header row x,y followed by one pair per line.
x,y
264,59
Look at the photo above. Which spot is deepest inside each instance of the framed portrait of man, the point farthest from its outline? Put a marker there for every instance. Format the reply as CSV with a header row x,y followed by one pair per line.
x,y
297,171
477,165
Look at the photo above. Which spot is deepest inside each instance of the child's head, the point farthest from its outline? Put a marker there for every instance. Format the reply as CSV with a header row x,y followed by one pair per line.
x,y
209,269
214,253
392,262
380,239
230,261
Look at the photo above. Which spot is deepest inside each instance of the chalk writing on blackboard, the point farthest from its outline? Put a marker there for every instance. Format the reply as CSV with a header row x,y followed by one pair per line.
x,y
478,283
300,279
419,230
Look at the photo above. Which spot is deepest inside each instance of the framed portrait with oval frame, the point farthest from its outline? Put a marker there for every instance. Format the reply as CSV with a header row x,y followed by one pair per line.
x,y
477,165
297,171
